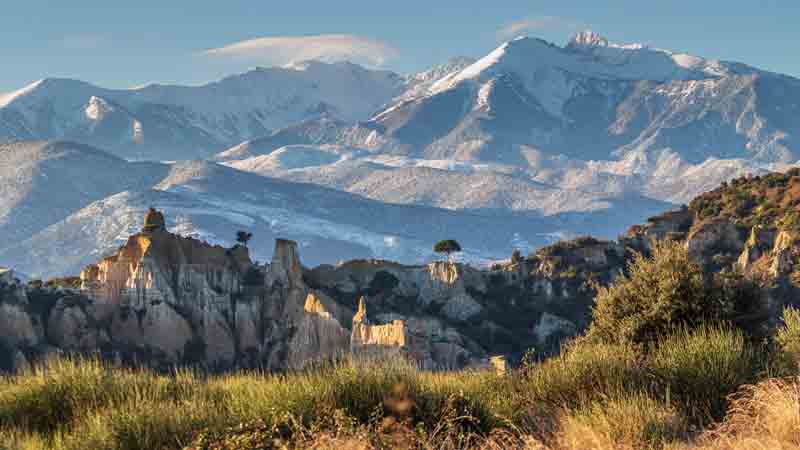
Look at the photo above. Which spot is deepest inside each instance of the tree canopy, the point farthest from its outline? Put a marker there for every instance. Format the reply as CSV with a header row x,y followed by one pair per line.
x,y
669,290
447,246
243,237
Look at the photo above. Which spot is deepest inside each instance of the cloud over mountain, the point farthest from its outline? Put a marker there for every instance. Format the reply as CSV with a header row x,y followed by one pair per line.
x,y
281,50
528,24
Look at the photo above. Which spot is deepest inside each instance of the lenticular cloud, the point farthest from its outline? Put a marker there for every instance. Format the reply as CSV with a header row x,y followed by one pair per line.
x,y
281,50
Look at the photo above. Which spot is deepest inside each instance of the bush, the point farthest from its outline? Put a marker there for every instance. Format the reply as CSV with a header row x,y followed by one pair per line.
x,y
698,369
669,290
788,340
584,372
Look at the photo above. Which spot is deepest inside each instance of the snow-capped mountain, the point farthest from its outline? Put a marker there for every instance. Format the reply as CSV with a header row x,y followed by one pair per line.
x,y
211,202
591,116
531,141
43,182
174,122
596,100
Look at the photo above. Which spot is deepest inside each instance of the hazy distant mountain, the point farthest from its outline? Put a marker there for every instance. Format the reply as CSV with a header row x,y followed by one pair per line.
x,y
43,182
212,202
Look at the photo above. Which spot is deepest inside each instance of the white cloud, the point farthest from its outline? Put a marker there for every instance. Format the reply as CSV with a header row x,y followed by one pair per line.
x,y
281,50
529,24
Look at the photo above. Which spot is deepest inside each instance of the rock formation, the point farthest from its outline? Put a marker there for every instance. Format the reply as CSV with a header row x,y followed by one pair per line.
x,y
366,337
163,300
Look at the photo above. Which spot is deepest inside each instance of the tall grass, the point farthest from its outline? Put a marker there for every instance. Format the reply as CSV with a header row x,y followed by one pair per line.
x,y
788,340
632,421
698,369
594,395
78,404
765,416
583,372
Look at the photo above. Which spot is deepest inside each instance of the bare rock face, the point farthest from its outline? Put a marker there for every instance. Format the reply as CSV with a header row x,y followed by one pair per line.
x,y
166,300
19,329
319,335
218,339
174,296
365,337
160,266
157,329
446,283
712,237
759,244
784,254
550,325
285,267
73,326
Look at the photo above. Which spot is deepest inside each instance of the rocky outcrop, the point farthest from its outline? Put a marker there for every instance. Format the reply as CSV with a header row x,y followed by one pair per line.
x,y
551,326
784,254
163,300
365,336
71,324
19,329
6,276
674,224
285,267
320,334
714,237
447,284
759,244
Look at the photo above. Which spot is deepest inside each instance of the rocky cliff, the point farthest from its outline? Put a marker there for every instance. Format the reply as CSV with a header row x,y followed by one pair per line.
x,y
163,300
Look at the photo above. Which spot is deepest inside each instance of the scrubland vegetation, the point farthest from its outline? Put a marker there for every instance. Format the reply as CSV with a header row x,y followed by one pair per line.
x,y
678,361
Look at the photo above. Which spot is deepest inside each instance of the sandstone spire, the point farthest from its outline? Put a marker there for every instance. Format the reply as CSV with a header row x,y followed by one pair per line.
x,y
154,221
361,314
285,266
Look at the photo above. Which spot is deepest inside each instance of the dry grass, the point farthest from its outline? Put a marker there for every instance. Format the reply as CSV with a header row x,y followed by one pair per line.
x,y
593,396
765,416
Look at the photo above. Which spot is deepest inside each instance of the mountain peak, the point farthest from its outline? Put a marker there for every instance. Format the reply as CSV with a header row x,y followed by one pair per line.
x,y
7,97
587,38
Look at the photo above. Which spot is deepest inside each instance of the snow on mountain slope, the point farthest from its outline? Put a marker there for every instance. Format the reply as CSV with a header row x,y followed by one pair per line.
x,y
420,83
316,131
43,182
593,100
588,54
212,202
530,141
455,185
174,122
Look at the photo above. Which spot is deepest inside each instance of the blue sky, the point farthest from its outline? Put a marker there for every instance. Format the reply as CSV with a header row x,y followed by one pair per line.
x,y
124,44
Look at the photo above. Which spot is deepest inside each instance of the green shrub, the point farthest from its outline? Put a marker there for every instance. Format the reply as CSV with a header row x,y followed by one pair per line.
x,y
584,372
698,369
669,290
788,340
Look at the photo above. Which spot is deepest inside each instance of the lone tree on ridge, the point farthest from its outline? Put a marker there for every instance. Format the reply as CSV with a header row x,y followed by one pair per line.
x,y
447,246
243,237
